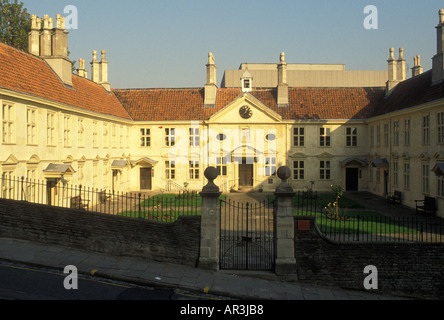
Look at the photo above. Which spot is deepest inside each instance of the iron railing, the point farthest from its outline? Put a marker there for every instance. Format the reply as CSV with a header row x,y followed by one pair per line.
x,y
356,223
158,207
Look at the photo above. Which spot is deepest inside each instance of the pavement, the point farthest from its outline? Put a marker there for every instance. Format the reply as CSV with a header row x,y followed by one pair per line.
x,y
242,286
247,286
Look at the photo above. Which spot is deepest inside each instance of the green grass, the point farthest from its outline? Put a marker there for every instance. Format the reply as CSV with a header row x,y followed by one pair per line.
x,y
164,216
322,200
363,222
169,199
167,207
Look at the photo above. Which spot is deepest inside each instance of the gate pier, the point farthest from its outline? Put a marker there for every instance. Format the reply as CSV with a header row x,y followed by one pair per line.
x,y
210,223
285,262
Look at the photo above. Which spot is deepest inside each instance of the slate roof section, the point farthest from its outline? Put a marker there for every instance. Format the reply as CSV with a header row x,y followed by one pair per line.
x,y
26,73
410,93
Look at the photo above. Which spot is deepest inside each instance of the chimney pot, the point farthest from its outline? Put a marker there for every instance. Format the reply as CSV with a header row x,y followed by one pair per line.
x,y
282,89
95,68
438,58
104,71
210,86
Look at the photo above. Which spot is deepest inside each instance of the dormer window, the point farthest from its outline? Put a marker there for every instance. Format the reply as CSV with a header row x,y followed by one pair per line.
x,y
246,81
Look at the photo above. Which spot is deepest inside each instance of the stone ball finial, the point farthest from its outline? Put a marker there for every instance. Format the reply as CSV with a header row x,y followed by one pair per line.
x,y
211,173
284,173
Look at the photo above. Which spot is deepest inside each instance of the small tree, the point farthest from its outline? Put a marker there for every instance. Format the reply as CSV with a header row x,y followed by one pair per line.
x,y
15,24
337,191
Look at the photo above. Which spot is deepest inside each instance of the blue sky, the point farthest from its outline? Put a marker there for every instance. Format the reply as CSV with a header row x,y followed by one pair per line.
x,y
165,43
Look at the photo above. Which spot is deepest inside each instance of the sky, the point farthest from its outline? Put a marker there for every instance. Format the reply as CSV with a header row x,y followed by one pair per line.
x,y
165,43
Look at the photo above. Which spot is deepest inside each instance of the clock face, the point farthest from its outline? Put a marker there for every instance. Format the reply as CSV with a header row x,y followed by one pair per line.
x,y
245,112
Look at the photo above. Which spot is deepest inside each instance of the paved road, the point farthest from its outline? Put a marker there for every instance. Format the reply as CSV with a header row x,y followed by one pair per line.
x,y
20,282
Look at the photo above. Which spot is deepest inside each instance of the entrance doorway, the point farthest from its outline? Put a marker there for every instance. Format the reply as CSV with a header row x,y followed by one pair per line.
x,y
246,173
145,178
51,191
351,179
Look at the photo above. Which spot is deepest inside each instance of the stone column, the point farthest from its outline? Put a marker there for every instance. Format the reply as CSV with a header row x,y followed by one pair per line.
x,y
210,223
285,262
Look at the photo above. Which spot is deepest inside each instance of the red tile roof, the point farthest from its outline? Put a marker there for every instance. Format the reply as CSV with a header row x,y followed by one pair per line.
x,y
304,103
26,73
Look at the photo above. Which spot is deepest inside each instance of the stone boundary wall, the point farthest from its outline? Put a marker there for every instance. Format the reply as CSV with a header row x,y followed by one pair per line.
x,y
177,242
415,269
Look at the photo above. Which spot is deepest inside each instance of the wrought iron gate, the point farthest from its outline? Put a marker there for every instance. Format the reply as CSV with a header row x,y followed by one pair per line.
x,y
247,236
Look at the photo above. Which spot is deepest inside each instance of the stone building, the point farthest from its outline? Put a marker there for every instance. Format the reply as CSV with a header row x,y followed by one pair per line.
x,y
366,130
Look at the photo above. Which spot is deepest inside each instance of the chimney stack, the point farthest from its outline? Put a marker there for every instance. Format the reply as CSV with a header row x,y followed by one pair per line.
x,y
396,70
81,71
34,36
438,59
104,72
401,65
210,86
95,76
417,68
392,72
282,89
51,44
46,37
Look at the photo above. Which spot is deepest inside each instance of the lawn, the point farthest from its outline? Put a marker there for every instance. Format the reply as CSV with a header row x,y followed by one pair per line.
x,y
174,200
357,220
168,207
162,215
366,222
320,201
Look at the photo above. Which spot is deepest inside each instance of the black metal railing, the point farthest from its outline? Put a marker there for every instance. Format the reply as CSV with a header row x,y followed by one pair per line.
x,y
379,228
158,207
353,222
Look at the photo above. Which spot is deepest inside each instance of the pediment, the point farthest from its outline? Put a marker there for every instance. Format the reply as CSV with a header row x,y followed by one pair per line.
x,y
297,155
424,156
245,151
69,159
34,159
439,155
325,155
144,162
11,160
231,113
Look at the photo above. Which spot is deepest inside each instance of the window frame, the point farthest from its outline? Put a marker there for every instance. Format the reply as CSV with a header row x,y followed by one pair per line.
x,y
31,126
299,137
8,123
324,170
170,137
351,138
325,137
298,171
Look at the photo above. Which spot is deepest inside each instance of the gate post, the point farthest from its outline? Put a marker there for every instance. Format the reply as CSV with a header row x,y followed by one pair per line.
x,y
210,223
285,263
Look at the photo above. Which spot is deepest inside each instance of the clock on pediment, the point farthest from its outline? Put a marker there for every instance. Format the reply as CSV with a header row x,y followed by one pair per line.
x,y
245,112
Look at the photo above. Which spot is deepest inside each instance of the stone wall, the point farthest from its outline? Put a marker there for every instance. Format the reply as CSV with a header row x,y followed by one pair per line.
x,y
169,242
412,268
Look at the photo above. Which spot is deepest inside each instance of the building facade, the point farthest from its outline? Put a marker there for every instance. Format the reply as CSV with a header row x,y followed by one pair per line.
x,y
367,130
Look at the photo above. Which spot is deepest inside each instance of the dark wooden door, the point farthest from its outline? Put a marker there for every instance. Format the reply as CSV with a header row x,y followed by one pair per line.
x,y
245,175
145,178
351,179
